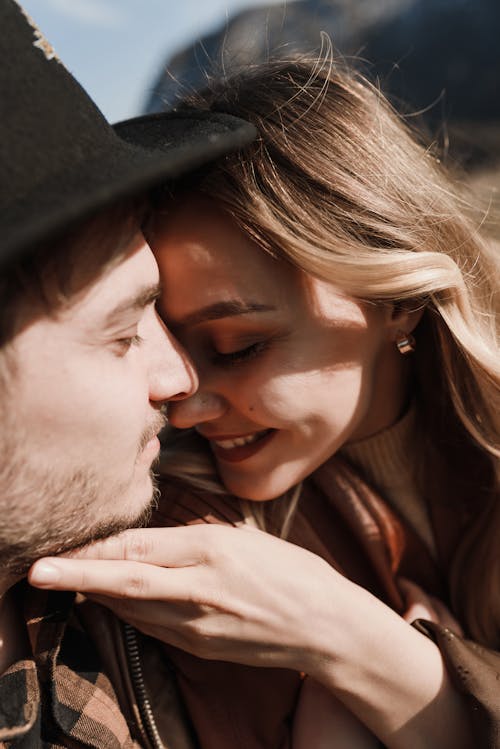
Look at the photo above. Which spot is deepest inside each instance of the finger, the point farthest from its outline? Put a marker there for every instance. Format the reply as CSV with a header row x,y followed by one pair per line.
x,y
173,637
160,613
160,632
418,603
420,611
423,606
142,613
169,547
117,579
174,625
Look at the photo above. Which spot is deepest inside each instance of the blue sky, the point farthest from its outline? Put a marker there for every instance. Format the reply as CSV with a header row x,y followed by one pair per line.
x,y
115,47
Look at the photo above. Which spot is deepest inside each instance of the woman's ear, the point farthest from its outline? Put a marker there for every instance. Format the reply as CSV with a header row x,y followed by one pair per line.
x,y
403,317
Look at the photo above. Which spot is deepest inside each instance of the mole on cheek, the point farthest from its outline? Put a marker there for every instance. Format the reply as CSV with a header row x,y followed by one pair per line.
x,y
251,408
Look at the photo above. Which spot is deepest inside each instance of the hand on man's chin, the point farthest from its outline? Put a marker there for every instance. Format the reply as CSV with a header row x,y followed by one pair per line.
x,y
22,565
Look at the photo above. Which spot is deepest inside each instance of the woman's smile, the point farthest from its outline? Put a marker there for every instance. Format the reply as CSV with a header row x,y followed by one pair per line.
x,y
236,449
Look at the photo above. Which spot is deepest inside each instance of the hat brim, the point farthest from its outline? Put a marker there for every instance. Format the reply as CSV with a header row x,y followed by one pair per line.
x,y
143,152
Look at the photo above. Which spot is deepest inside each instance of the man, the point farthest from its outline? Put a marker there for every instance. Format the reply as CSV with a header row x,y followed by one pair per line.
x,y
85,366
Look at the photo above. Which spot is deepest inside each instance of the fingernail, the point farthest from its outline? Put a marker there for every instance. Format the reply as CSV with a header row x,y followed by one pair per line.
x,y
44,573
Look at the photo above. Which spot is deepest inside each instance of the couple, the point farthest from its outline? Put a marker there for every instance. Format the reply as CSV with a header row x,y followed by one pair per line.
x,y
329,365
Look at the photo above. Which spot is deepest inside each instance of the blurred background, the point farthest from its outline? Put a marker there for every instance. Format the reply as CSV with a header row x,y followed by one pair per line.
x,y
438,60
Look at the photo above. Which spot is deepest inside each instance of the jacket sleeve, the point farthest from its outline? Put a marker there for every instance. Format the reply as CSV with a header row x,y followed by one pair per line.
x,y
475,671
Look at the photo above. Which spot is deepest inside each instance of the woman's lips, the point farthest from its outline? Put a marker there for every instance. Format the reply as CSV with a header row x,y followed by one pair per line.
x,y
240,447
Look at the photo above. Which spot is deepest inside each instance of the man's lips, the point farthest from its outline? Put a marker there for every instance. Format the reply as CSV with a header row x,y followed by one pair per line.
x,y
236,447
149,446
149,451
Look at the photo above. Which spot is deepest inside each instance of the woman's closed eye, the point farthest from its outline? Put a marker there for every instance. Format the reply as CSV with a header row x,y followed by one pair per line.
x,y
240,356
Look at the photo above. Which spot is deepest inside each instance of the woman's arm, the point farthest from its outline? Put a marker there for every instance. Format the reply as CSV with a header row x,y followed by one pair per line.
x,y
321,721
244,596
394,680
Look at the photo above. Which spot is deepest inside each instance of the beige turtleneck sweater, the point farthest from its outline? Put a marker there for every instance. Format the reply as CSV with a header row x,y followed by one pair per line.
x,y
388,461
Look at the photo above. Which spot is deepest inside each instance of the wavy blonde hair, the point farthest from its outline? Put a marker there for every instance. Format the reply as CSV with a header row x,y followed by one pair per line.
x,y
338,185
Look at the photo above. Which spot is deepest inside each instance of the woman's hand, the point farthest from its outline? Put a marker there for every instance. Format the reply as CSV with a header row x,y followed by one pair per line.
x,y
420,605
241,595
224,593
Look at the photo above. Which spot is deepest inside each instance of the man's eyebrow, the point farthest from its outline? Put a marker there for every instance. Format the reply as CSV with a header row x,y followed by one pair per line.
x,y
138,301
229,308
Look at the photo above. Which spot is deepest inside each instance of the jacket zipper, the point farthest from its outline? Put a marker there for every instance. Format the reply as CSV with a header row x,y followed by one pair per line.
x,y
137,677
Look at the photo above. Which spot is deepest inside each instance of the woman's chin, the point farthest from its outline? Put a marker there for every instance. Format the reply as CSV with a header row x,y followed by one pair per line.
x,y
255,491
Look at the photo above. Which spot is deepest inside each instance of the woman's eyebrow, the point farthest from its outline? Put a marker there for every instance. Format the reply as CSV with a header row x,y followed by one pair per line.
x,y
228,308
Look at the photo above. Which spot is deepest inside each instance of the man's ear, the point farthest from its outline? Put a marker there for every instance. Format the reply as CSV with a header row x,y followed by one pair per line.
x,y
403,317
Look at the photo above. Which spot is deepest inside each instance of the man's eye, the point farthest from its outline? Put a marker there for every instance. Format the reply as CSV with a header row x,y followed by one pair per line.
x,y
233,358
126,343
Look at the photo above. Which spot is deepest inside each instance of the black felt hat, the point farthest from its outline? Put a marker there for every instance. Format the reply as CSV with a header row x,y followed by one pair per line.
x,y
60,160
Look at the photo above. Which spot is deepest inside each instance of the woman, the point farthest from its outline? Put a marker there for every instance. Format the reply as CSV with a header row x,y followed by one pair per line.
x,y
339,307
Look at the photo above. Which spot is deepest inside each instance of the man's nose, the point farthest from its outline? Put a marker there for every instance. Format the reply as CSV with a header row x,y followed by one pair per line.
x,y
172,375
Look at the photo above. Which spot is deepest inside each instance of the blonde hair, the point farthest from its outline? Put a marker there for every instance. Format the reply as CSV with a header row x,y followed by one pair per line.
x,y
339,186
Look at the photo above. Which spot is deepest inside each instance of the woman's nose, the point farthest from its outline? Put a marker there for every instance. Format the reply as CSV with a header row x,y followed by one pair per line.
x,y
196,409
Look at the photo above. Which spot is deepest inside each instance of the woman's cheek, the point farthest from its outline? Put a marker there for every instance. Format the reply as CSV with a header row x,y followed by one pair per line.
x,y
278,399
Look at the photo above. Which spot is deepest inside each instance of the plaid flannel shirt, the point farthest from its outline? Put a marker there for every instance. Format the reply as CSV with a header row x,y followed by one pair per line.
x,y
60,697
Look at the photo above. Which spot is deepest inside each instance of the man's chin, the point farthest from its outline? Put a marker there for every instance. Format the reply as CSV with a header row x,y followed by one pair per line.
x,y
107,529
136,518
22,559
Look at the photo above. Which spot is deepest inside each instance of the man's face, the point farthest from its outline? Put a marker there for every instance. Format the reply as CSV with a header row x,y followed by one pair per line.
x,y
82,413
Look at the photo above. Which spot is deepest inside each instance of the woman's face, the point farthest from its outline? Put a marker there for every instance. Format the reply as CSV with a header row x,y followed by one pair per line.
x,y
290,369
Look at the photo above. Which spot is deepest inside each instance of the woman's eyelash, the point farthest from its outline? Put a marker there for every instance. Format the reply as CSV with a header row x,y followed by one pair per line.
x,y
233,358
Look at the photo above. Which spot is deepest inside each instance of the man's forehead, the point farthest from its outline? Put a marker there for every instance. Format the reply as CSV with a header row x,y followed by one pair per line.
x,y
134,303
128,283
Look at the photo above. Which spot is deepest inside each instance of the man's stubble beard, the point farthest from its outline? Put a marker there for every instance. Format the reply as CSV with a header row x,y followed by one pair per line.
x,y
46,515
